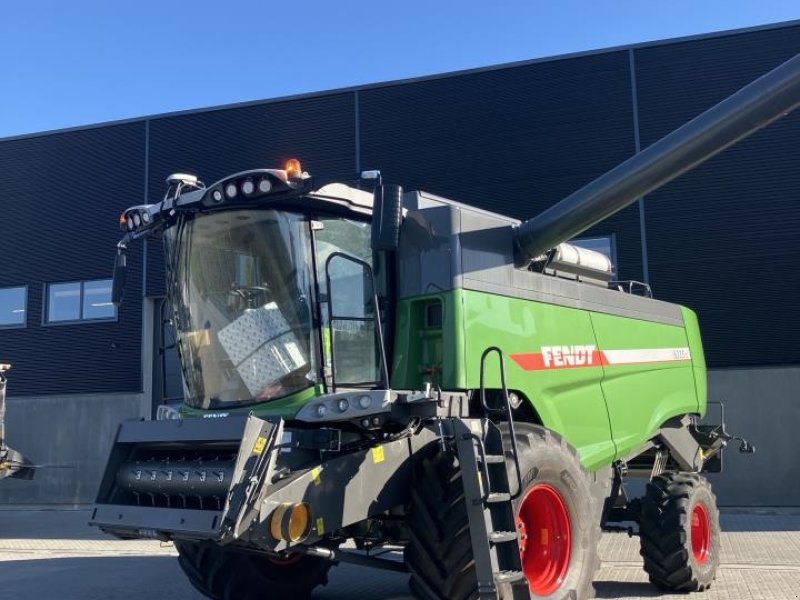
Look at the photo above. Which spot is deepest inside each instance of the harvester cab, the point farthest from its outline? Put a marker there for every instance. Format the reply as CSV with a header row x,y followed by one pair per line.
x,y
397,369
12,463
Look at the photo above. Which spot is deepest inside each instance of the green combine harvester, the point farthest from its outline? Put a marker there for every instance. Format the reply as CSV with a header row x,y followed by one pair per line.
x,y
365,370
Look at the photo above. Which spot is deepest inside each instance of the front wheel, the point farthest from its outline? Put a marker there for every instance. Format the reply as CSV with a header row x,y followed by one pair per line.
x,y
680,532
227,574
557,520
558,531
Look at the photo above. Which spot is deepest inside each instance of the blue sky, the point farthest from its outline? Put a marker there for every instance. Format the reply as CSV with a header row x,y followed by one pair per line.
x,y
72,63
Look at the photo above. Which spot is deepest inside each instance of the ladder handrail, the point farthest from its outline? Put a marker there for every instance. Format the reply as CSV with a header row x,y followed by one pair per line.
x,y
508,411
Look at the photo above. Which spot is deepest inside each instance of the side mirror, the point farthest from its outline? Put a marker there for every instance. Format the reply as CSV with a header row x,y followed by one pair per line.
x,y
120,275
387,214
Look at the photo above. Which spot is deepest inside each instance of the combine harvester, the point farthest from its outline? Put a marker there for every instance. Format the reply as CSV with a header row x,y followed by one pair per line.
x,y
397,369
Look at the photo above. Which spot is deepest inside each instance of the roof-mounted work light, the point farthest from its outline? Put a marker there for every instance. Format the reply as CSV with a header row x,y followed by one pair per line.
x,y
249,186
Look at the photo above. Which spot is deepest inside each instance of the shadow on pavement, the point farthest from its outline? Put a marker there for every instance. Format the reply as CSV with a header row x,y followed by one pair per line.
x,y
750,522
625,589
94,578
48,524
137,577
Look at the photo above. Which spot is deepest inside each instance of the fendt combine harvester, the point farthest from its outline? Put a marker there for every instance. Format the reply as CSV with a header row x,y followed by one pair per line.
x,y
397,369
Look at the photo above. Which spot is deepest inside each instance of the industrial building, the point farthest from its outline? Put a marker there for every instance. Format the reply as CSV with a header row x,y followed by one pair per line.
x,y
723,239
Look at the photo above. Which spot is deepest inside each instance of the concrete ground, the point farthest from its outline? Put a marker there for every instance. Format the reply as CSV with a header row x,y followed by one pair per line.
x,y
53,555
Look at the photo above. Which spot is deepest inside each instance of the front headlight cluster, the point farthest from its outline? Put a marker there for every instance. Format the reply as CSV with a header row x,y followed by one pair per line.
x,y
187,193
257,183
243,188
136,217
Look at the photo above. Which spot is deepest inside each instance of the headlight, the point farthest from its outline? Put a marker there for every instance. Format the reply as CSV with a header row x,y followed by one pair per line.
x,y
165,412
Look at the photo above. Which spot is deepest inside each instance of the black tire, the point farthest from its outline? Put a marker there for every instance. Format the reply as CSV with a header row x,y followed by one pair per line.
x,y
439,553
674,558
227,574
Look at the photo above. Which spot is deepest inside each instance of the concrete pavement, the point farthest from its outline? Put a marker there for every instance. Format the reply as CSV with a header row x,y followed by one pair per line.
x,y
53,555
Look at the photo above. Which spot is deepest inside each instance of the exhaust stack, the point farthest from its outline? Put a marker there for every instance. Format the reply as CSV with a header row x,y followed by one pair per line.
x,y
756,105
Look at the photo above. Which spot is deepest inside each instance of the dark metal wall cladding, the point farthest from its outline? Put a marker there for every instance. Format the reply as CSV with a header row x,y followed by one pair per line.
x,y
512,140
725,238
320,131
61,197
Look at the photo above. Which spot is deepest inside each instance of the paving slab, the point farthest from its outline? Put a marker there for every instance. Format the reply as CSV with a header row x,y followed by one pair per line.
x,y
53,555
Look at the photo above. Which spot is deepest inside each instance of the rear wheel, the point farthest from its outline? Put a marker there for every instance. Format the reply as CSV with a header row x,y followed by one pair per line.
x,y
228,574
680,533
555,521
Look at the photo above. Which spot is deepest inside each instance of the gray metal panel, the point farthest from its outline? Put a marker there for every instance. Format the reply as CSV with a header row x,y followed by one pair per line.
x,y
190,523
446,245
487,253
427,256
760,405
183,430
551,290
72,436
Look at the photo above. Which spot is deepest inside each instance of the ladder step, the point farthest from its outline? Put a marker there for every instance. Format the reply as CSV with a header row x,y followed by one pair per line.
x,y
498,497
508,576
499,537
494,459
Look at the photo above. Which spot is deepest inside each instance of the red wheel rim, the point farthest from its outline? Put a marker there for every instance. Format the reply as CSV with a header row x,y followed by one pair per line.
x,y
701,534
545,540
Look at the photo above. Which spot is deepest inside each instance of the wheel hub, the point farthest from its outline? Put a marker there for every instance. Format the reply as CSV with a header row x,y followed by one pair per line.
x,y
701,534
545,540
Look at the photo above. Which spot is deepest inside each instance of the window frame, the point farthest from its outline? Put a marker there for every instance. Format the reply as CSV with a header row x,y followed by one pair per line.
x,y
81,320
24,323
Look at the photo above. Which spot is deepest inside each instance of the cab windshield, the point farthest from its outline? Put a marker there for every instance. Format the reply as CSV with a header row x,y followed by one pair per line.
x,y
241,289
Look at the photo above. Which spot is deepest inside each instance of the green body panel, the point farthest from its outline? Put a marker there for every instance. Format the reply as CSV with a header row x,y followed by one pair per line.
x,y
425,353
605,410
698,358
569,401
641,397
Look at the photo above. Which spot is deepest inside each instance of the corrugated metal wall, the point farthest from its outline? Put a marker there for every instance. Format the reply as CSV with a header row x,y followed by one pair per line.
x,y
724,239
61,197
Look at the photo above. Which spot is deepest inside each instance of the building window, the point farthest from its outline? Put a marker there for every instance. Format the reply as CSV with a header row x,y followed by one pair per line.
x,y
80,301
12,306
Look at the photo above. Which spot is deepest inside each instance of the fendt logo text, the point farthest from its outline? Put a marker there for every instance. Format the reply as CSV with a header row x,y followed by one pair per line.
x,y
567,356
